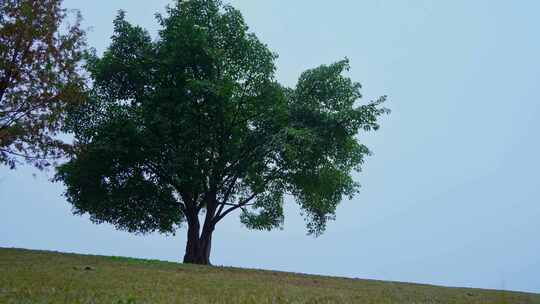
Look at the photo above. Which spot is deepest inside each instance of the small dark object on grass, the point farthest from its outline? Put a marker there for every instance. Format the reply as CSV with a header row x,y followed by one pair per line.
x,y
86,268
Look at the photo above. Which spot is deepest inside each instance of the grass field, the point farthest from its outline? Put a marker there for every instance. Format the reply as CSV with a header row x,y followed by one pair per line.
x,y
48,277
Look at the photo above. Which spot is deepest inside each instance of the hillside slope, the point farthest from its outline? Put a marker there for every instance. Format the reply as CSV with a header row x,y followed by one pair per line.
x,y
48,277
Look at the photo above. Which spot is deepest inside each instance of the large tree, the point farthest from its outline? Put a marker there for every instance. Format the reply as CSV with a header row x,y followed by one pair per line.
x,y
39,78
192,126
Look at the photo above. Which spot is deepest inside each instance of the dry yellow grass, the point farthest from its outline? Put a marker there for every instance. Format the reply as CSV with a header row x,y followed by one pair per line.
x,y
48,277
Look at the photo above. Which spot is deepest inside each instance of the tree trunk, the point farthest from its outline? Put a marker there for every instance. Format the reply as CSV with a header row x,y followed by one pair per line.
x,y
199,243
198,246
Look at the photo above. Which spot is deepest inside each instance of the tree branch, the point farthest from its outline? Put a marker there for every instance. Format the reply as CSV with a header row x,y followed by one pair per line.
x,y
227,194
219,217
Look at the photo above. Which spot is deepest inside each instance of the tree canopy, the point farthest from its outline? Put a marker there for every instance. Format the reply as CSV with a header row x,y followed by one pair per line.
x,y
192,126
39,78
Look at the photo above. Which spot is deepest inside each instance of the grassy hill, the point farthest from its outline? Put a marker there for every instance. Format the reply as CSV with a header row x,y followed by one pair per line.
x,y
48,277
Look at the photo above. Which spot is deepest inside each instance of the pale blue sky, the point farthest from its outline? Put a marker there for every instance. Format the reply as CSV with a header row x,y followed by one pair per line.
x,y
451,194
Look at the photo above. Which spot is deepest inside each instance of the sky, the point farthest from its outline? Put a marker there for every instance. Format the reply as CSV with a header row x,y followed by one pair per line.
x,y
451,193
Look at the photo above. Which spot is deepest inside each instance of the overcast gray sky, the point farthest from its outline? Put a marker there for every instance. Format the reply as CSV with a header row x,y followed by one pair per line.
x,y
451,194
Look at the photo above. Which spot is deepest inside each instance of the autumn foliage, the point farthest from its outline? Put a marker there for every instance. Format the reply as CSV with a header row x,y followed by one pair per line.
x,y
40,52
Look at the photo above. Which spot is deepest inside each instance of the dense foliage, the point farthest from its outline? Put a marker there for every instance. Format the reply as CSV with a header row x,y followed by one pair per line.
x,y
195,123
39,79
